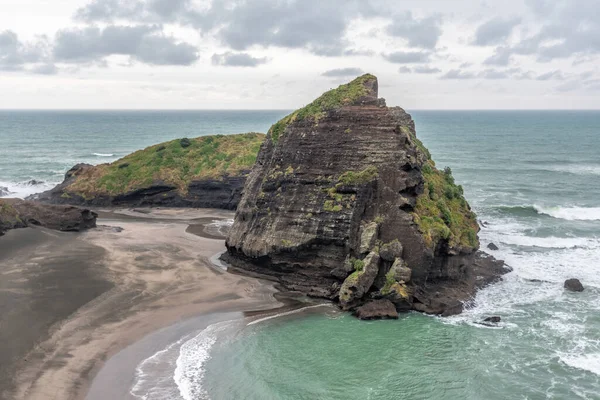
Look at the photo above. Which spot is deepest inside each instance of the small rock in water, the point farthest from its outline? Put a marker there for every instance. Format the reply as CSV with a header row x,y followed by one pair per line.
x,y
142,210
4,191
34,182
494,319
492,246
377,309
573,285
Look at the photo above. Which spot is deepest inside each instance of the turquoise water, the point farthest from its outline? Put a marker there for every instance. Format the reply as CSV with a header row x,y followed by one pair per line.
x,y
533,177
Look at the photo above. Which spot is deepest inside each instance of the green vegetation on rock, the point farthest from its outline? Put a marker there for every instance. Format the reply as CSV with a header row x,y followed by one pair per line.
x,y
342,96
442,212
352,178
176,163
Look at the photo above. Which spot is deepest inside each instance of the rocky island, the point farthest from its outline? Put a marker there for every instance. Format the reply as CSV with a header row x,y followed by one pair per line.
x,y
345,203
205,172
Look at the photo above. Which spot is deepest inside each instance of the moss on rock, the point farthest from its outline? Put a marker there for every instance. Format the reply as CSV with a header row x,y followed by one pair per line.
x,y
442,213
175,163
342,96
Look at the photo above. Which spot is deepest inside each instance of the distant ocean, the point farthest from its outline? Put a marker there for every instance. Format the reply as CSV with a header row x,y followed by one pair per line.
x,y
532,176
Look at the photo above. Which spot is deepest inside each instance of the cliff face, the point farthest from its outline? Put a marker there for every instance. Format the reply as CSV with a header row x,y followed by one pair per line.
x,y
206,172
345,203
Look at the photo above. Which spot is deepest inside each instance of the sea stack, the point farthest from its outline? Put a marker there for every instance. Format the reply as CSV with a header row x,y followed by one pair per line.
x,y
345,203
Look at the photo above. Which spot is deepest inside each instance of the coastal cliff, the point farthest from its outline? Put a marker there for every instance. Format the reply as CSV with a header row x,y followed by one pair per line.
x,y
205,172
345,203
16,213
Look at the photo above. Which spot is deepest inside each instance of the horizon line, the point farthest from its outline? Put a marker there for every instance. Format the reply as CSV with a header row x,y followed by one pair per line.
x,y
287,109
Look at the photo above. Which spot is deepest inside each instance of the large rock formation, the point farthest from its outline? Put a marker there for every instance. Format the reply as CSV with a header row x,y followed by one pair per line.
x,y
206,172
16,213
344,202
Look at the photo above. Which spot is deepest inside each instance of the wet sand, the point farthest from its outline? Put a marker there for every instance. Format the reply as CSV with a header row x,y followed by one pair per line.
x,y
69,302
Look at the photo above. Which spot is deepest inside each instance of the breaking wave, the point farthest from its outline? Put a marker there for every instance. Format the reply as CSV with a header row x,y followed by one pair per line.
x,y
566,213
104,154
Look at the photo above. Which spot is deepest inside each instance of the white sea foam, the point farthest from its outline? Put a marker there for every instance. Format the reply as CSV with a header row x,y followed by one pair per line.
x,y
219,227
577,169
587,362
571,213
190,365
549,242
23,189
152,378
103,154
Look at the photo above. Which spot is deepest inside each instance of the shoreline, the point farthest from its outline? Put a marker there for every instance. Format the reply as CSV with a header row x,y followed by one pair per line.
x,y
158,275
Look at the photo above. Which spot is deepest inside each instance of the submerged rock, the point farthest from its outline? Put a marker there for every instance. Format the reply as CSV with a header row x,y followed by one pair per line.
x,y
573,285
4,191
206,172
377,309
345,178
492,246
16,213
494,319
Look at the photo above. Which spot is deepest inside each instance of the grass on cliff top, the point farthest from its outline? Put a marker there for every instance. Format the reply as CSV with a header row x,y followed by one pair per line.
x,y
442,212
174,164
344,95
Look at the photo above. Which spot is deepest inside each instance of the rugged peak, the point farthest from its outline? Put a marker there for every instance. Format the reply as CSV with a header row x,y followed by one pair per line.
x,y
361,91
346,203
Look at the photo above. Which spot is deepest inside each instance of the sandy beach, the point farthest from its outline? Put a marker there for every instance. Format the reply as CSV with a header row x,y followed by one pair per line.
x,y
69,302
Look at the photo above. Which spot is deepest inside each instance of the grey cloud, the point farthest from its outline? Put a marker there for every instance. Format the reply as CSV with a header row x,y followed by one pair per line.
x,y
14,54
569,86
493,74
343,72
417,32
426,70
495,31
143,43
405,70
555,75
409,57
458,74
45,69
569,28
237,60
502,57
316,25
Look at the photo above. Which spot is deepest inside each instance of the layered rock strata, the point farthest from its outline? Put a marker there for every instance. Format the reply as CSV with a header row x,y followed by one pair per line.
x,y
344,202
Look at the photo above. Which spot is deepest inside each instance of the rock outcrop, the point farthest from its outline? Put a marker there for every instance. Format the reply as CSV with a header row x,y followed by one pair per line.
x,y
344,202
573,285
16,213
206,172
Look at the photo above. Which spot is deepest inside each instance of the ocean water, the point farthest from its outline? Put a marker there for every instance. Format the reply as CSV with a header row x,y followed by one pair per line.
x,y
41,146
532,176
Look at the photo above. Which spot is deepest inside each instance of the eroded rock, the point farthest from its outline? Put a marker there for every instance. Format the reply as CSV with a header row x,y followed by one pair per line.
x,y
359,283
391,251
16,213
377,309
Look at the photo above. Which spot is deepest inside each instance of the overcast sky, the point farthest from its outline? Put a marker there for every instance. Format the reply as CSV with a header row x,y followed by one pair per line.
x,y
280,54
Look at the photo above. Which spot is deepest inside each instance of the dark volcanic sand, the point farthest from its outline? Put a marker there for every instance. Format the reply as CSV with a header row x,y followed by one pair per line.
x,y
44,277
68,301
